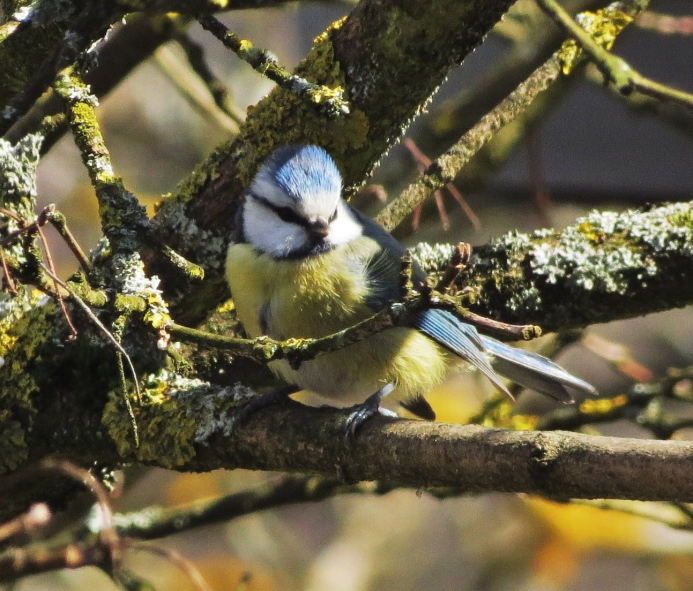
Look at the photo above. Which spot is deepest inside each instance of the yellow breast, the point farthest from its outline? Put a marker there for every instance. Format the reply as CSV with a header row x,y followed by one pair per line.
x,y
310,297
318,296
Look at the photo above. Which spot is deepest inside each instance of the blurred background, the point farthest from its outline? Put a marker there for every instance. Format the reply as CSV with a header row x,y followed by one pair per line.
x,y
588,149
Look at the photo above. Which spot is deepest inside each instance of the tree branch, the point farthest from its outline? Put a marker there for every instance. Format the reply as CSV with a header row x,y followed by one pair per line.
x,y
474,459
447,166
160,522
604,267
615,69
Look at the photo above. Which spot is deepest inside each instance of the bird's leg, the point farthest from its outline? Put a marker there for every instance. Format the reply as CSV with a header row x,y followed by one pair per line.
x,y
367,409
259,402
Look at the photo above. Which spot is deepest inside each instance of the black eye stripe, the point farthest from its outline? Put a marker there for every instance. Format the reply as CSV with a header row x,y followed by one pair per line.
x,y
285,214
289,215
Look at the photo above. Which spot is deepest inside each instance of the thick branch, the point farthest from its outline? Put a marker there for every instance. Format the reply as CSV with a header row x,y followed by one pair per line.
x,y
473,459
604,267
414,453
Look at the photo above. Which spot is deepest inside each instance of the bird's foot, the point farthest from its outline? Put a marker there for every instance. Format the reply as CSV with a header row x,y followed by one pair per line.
x,y
367,409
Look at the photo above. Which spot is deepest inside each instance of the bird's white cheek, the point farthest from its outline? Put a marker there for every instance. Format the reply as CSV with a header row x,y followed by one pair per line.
x,y
269,234
343,230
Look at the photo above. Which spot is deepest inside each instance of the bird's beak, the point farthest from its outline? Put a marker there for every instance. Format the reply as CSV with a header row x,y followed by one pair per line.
x,y
318,229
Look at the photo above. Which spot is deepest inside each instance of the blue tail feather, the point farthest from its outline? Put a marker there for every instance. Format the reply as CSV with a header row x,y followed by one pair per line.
x,y
534,371
523,367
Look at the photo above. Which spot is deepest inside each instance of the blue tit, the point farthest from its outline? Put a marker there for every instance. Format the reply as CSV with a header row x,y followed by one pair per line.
x,y
304,264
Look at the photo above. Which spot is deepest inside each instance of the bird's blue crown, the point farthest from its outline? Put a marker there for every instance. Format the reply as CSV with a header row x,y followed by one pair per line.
x,y
304,172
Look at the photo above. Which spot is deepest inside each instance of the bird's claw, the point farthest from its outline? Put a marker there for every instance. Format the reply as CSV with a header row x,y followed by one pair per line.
x,y
364,411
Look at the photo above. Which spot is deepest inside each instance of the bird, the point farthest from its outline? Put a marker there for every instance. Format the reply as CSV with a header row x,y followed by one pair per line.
x,y
303,263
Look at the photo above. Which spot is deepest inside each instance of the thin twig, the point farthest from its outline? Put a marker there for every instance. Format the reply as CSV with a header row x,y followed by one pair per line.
x,y
220,92
160,522
445,168
423,161
666,24
24,227
20,562
79,301
524,332
59,222
170,256
542,193
668,514
615,69
458,262
103,551
9,213
6,275
192,89
108,534
619,356
466,208
297,350
642,404
118,327
328,100
37,515
58,295
174,557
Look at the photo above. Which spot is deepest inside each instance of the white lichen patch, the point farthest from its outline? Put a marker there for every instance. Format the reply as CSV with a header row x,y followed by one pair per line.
x,y
18,164
601,253
132,277
608,251
202,246
211,406
434,258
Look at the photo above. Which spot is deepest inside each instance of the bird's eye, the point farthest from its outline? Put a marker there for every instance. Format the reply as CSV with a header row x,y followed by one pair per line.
x,y
288,215
333,217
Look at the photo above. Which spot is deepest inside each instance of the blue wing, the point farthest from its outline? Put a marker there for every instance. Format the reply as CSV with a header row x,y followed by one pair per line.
x,y
527,369
460,338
